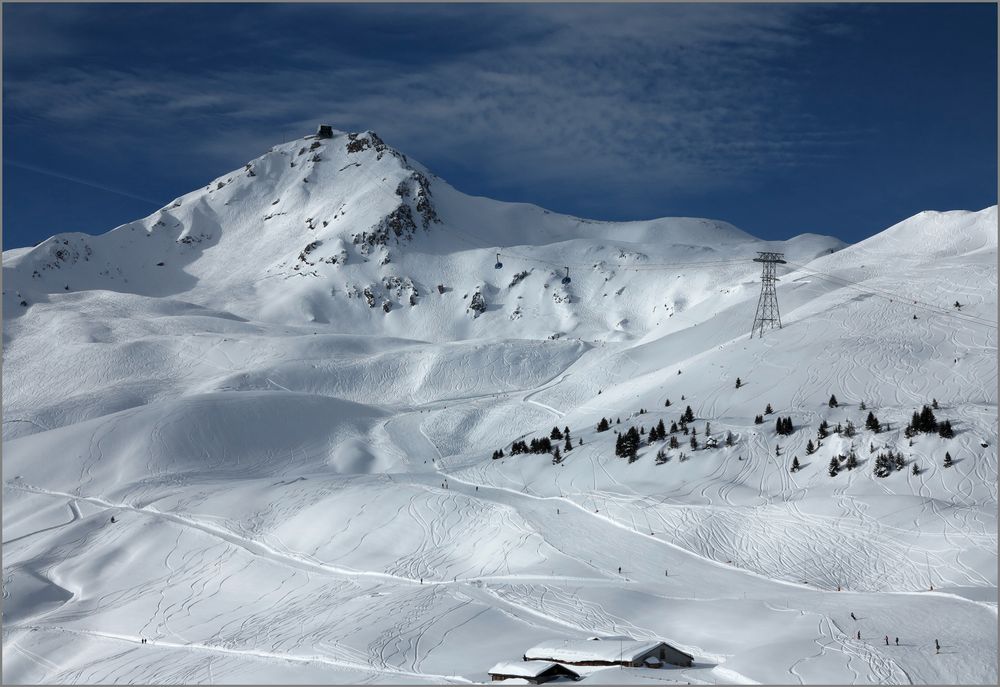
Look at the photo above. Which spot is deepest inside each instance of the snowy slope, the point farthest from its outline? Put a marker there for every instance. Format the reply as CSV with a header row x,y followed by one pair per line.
x,y
292,428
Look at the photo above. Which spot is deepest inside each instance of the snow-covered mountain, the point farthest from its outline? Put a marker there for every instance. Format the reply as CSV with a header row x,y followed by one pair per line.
x,y
287,386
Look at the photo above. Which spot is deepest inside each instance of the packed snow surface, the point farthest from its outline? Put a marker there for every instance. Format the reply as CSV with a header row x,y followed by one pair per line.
x,y
286,388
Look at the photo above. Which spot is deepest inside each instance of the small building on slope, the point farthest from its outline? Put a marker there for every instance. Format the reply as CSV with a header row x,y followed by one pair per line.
x,y
614,652
533,672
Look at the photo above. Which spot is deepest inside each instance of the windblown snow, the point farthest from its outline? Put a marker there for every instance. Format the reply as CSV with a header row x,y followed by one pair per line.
x,y
286,388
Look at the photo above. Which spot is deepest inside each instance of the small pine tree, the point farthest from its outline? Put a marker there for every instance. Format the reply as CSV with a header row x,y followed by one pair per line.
x,y
795,464
948,462
915,470
603,425
824,430
689,414
810,449
555,434
569,444
694,442
739,383
642,430
729,438
849,430
673,428
566,432
661,457
673,442
618,421
833,401
768,410
863,406
834,467
684,428
666,404
852,460
945,431
708,428
934,404
556,456
661,431
758,420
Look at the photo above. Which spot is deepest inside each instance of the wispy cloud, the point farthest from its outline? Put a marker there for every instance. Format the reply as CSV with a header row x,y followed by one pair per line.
x,y
607,98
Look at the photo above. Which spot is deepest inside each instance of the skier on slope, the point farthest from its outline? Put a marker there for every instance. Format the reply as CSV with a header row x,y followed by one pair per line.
x,y
859,634
887,640
853,617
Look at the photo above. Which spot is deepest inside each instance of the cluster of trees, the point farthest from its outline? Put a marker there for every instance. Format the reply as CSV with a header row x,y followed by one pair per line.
x,y
850,461
564,436
784,426
924,421
886,463
872,423
659,432
627,444
543,445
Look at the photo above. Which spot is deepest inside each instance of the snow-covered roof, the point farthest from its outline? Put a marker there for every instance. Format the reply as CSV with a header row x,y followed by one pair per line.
x,y
587,650
521,668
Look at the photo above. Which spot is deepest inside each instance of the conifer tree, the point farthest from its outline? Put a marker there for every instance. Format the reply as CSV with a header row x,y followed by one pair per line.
x,y
673,428
795,464
661,431
768,410
852,460
603,425
694,442
824,430
739,383
872,423
566,432
555,434
948,462
708,428
758,420
666,404
810,449
556,456
934,403
863,406
915,470
729,438
945,431
661,457
833,401
569,444
689,414
673,442
834,467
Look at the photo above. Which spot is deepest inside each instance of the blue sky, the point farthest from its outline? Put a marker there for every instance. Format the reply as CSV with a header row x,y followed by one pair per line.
x,y
782,119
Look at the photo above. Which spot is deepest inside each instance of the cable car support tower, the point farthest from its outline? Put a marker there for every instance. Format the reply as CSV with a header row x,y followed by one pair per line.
x,y
767,315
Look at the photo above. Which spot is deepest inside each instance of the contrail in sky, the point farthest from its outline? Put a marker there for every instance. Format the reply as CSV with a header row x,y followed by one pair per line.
x,y
82,182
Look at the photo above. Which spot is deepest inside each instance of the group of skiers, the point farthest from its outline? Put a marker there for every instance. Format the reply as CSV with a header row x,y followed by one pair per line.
x,y
937,645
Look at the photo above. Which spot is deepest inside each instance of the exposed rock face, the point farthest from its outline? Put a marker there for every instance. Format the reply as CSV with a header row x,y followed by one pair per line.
x,y
477,304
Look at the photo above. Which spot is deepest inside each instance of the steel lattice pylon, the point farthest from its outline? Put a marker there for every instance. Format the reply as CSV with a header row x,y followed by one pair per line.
x,y
767,307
